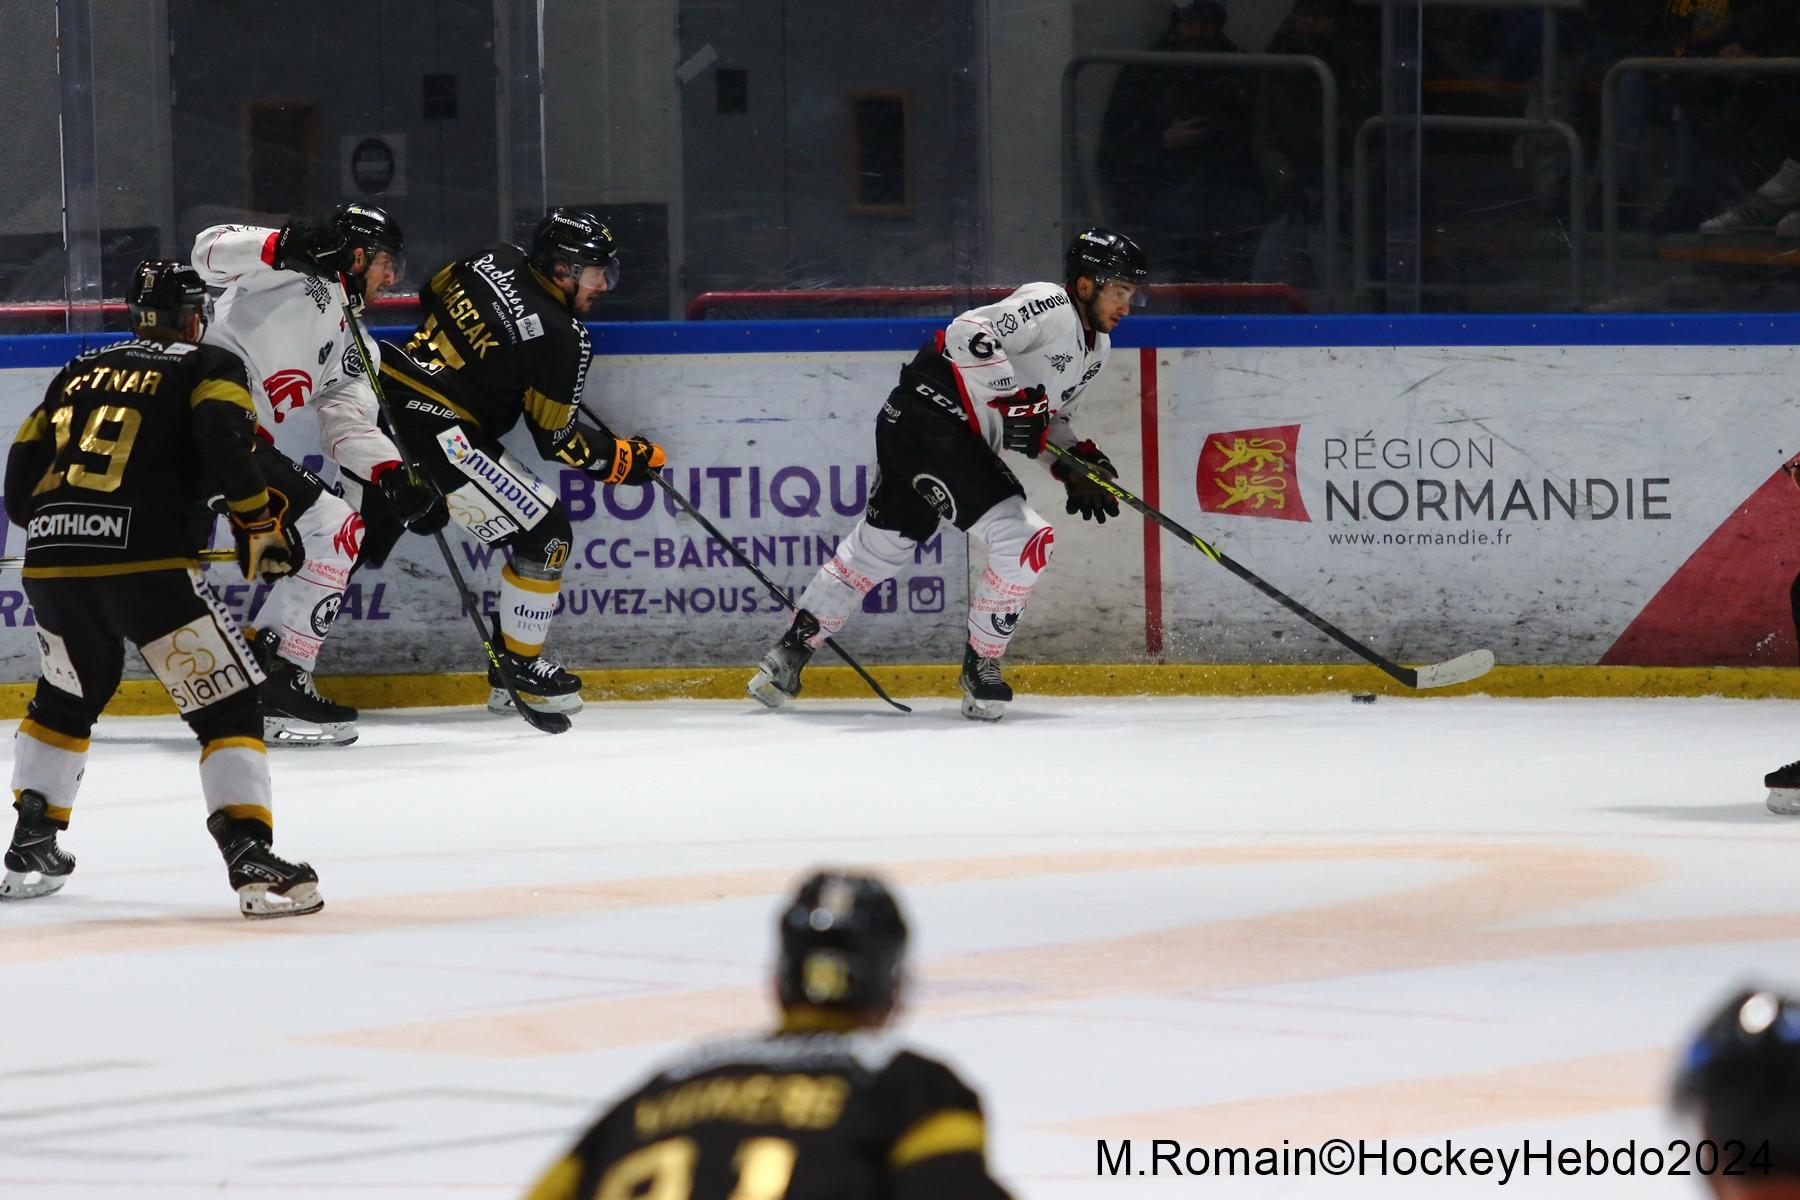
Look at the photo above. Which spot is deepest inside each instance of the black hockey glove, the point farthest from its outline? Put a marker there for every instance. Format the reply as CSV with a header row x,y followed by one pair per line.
x,y
263,551
1086,497
633,461
319,250
417,504
1024,420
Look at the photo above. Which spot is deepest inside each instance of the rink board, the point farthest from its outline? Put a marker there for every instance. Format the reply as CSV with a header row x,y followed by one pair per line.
x,y
1583,491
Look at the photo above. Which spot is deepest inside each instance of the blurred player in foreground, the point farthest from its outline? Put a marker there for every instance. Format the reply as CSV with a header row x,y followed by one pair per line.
x,y
1740,1082
825,1107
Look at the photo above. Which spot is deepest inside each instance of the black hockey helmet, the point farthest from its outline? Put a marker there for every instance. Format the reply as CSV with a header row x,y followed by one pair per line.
x,y
371,227
577,238
1105,257
1741,1076
843,942
163,294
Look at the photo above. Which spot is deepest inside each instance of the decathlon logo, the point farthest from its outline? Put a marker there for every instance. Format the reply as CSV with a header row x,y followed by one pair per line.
x,y
1036,555
71,525
287,390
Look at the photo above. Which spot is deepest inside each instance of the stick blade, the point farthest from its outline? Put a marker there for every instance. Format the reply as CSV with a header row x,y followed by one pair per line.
x,y
1460,669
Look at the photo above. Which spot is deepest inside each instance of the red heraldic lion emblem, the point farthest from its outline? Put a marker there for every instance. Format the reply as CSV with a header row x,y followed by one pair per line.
x,y
1252,473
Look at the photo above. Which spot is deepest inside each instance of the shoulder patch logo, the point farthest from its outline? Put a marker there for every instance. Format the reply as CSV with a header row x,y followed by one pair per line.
x,y
530,326
1061,362
287,390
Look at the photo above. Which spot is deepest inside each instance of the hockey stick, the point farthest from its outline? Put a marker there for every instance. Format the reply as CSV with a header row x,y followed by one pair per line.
x,y
16,562
545,722
743,560
1460,669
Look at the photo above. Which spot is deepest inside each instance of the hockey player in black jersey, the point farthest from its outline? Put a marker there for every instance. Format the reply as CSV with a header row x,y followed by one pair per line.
x,y
826,1107
1006,376
501,339
1740,1083
110,476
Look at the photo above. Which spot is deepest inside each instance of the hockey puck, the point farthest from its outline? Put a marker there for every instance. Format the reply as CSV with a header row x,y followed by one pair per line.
x,y
1362,698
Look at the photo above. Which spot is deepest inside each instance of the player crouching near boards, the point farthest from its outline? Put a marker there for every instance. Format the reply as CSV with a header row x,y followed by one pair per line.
x,y
1006,376
827,1105
110,477
502,338
282,312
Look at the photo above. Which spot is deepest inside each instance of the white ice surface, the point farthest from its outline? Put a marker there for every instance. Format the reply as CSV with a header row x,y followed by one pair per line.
x,y
1231,922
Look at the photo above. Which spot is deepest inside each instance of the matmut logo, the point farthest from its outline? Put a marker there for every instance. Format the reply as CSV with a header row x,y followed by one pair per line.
x,y
287,389
1251,473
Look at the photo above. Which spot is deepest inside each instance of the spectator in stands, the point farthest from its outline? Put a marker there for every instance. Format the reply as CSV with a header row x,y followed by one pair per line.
x,y
1732,131
1175,150
1289,153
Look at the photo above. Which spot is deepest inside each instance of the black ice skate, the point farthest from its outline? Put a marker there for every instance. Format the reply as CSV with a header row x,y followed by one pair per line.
x,y
1784,790
985,691
267,886
294,714
777,678
542,684
35,864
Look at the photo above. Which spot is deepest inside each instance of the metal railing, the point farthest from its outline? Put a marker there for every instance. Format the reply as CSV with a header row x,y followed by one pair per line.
x,y
1359,188
1609,119
1080,192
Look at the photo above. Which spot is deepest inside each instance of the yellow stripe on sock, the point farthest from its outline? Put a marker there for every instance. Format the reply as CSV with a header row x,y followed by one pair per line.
x,y
249,812
50,737
547,587
520,648
57,812
227,743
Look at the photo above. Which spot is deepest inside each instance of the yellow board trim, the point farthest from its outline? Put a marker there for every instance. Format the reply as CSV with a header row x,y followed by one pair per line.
x,y
250,812
139,697
50,737
228,743
544,587
947,1131
231,393
103,569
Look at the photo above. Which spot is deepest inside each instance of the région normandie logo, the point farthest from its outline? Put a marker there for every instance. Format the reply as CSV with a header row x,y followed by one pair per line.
x,y
1251,473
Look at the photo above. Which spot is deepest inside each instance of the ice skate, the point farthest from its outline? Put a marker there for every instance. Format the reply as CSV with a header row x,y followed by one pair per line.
x,y
294,714
267,885
35,864
1784,790
777,678
985,691
542,684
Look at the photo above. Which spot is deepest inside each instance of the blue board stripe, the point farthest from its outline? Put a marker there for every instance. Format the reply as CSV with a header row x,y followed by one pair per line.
x,y
1169,333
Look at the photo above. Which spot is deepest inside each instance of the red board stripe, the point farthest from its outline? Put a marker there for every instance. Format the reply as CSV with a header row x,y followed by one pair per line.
x,y
1153,597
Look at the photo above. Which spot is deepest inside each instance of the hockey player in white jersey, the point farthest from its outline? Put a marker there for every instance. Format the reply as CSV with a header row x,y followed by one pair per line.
x,y
1006,376
282,313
